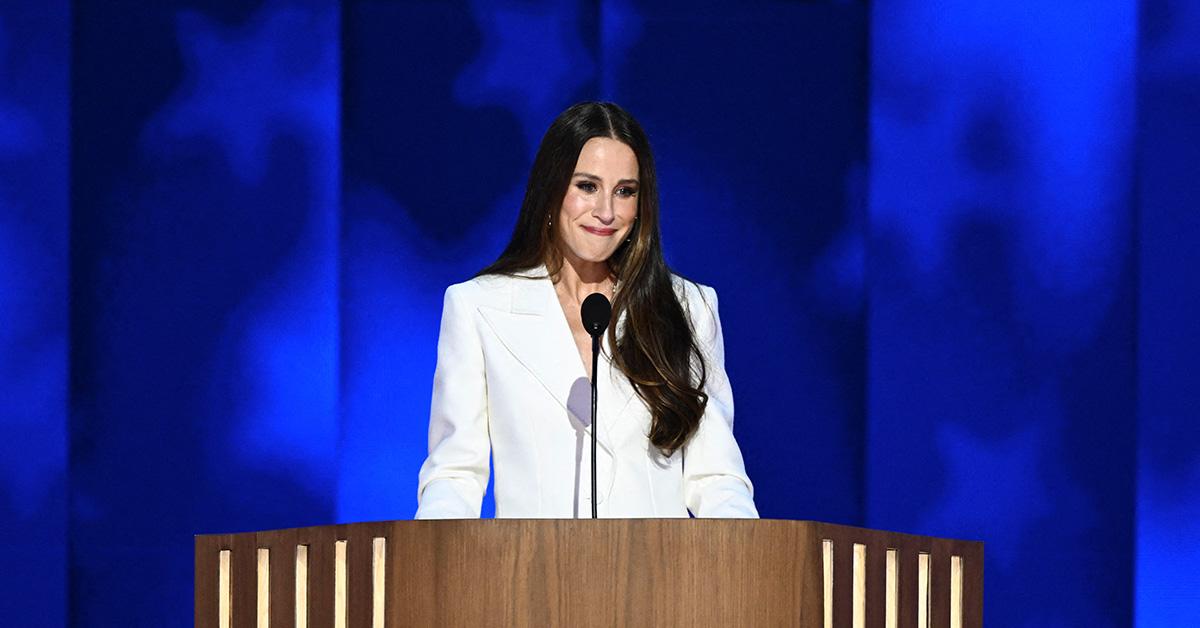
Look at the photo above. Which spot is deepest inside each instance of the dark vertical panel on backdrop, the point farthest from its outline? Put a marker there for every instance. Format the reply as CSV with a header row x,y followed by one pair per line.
x,y
1002,380
1168,524
757,115
33,310
203,289
440,128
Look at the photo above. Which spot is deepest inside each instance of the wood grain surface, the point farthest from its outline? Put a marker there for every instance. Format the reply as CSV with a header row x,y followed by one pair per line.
x,y
619,572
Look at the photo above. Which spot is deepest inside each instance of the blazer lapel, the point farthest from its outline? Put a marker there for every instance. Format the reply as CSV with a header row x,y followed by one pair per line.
x,y
536,333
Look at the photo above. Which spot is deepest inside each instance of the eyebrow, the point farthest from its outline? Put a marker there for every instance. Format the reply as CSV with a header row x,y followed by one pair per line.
x,y
588,175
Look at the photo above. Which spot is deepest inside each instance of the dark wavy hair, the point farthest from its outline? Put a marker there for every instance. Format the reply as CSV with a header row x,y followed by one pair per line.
x,y
656,347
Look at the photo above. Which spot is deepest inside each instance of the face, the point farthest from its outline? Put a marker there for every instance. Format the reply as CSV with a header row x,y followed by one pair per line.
x,y
601,202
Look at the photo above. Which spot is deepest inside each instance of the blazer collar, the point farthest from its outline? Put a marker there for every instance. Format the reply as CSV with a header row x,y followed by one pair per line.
x,y
528,293
535,331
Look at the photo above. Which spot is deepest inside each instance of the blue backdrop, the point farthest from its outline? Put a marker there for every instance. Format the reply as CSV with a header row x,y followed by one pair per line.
x,y
954,244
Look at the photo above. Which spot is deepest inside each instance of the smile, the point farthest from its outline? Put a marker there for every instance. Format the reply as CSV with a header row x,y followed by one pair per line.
x,y
600,231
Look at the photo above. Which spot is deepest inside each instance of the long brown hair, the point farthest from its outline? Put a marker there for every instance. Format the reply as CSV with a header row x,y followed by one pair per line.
x,y
656,346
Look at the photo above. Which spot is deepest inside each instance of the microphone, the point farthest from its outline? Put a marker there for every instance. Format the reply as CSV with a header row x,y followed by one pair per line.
x,y
595,312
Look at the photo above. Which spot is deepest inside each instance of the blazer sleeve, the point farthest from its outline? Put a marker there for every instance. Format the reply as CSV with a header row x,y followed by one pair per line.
x,y
454,477
715,483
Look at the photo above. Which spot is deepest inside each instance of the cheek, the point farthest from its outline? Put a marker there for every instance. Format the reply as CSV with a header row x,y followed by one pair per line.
x,y
628,208
572,206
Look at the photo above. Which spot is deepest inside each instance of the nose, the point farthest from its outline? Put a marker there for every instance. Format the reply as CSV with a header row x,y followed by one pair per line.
x,y
604,211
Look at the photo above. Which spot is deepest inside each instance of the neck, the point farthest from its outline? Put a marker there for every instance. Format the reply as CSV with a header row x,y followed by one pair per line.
x,y
579,278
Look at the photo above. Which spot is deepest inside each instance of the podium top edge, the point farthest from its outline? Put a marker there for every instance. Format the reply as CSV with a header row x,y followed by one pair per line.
x,y
559,521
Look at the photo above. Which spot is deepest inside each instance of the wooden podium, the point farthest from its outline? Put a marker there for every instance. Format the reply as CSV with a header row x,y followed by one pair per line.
x,y
608,572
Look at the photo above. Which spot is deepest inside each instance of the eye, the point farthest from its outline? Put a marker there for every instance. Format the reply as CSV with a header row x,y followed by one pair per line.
x,y
626,192
586,186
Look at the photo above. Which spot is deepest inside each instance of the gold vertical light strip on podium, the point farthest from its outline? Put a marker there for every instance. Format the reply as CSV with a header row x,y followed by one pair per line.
x,y
301,586
827,564
339,584
891,594
956,582
378,589
263,600
859,616
224,590
923,590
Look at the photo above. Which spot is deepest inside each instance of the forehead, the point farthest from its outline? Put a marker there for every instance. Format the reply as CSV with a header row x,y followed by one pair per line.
x,y
607,158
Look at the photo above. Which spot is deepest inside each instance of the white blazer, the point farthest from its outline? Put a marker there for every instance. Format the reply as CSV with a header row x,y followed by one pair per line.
x,y
510,383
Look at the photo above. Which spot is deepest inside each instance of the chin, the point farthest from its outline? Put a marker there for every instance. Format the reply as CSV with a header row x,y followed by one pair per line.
x,y
592,257
598,258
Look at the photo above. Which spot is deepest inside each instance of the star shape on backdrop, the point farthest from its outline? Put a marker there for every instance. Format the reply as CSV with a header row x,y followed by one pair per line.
x,y
530,60
998,115
245,84
993,489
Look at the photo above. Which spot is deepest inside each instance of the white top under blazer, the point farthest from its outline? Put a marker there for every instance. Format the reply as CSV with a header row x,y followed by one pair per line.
x,y
510,383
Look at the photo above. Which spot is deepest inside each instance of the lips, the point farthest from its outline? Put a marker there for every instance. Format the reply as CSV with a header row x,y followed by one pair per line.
x,y
600,231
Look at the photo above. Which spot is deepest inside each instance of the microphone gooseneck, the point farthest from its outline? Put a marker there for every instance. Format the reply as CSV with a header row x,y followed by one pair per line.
x,y
595,312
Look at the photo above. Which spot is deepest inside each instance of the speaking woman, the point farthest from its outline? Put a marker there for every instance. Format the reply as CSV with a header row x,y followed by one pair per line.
x,y
514,360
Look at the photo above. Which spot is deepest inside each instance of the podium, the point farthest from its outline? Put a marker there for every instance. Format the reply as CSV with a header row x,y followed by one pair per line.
x,y
581,572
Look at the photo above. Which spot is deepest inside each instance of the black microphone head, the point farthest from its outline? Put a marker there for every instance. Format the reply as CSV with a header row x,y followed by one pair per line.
x,y
595,312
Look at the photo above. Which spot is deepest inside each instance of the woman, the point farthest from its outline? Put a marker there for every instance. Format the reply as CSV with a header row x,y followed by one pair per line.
x,y
514,360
